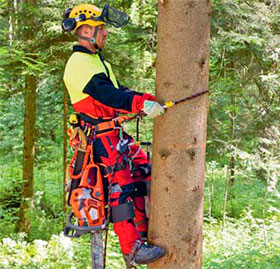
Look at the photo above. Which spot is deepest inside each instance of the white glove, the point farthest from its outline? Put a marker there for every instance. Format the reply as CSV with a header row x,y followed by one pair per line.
x,y
152,109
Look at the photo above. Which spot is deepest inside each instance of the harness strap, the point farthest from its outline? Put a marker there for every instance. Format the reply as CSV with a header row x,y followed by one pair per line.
x,y
107,170
131,255
122,212
100,126
140,222
88,118
104,126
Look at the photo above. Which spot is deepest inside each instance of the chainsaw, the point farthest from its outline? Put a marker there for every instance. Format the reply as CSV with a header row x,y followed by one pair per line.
x,y
86,196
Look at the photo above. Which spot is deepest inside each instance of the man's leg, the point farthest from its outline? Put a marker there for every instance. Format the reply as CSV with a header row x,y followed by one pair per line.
x,y
121,191
141,177
141,220
122,209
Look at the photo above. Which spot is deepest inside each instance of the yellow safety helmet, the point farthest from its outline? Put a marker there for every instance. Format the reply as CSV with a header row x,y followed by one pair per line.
x,y
91,15
89,11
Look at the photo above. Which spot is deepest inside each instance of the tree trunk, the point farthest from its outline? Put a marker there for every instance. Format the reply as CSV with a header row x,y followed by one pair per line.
x,y
233,117
176,214
26,206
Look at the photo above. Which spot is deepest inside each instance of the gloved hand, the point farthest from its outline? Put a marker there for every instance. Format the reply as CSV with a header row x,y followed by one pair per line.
x,y
152,109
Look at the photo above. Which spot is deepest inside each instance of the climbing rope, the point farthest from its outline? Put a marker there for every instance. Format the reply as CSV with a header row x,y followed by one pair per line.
x,y
174,103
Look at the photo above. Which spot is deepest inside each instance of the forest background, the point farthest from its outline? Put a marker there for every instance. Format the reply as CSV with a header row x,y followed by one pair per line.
x,y
241,215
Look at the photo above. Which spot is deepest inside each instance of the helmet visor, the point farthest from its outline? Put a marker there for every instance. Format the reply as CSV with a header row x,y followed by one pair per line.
x,y
113,16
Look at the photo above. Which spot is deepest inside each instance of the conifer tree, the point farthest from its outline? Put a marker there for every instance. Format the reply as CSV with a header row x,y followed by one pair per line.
x,y
176,213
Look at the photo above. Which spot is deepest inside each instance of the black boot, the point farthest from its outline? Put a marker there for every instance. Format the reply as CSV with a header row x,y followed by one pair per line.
x,y
143,254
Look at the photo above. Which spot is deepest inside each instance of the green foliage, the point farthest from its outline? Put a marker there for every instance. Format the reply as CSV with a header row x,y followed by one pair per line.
x,y
10,186
241,244
244,77
58,252
17,253
246,193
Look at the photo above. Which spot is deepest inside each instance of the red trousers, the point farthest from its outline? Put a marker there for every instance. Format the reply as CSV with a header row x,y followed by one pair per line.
x,y
105,151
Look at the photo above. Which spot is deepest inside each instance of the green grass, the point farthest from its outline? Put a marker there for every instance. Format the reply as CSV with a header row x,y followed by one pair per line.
x,y
246,192
245,243
239,244
58,252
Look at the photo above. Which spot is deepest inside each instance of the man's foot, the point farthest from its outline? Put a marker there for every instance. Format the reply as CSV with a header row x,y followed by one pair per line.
x,y
143,254
148,253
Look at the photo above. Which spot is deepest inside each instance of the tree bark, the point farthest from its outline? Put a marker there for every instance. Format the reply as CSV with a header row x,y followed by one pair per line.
x,y
176,212
233,129
25,213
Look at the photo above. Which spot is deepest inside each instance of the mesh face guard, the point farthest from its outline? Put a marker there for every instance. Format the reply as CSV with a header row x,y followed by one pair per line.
x,y
109,15
114,17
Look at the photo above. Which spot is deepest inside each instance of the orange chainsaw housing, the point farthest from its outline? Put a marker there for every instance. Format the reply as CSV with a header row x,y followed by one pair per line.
x,y
87,200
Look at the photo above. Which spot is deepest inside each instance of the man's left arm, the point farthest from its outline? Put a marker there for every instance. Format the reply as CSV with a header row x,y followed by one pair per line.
x,y
101,88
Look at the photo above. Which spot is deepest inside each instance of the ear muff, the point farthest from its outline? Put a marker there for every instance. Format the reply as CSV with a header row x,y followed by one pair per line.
x,y
69,24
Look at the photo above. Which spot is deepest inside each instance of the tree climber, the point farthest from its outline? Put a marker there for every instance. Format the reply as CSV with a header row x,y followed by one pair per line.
x,y
98,98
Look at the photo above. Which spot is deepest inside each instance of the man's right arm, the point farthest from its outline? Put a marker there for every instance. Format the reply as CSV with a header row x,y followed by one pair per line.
x,y
129,91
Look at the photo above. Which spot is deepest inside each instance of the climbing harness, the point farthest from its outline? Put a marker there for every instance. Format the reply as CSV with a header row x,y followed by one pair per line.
x,y
83,132
86,196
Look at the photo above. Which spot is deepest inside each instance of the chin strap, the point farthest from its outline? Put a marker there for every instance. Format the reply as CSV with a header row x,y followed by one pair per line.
x,y
91,40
